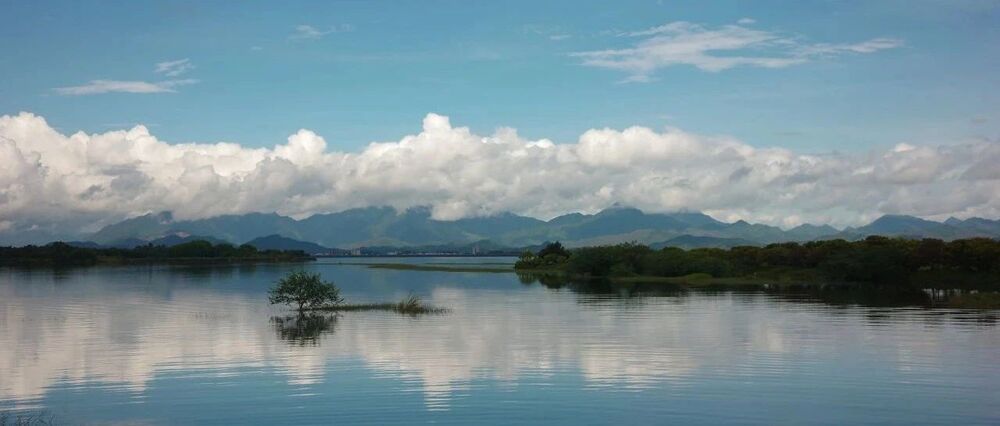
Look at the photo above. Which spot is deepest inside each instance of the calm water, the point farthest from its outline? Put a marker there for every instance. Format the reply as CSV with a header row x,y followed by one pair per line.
x,y
182,345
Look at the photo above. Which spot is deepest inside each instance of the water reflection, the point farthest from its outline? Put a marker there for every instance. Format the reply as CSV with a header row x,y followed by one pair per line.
x,y
303,328
867,295
146,332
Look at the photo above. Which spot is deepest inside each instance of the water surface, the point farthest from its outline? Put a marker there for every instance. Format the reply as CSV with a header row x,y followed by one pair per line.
x,y
172,344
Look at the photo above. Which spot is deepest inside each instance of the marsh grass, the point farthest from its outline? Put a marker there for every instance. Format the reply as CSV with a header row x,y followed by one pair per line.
x,y
410,305
435,267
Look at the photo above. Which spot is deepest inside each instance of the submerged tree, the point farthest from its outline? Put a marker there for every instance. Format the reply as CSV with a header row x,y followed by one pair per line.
x,y
305,290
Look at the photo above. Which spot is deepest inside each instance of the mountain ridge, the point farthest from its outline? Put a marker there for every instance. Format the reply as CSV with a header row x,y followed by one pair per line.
x,y
385,226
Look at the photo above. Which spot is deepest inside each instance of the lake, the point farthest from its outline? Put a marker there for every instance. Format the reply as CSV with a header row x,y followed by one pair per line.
x,y
184,345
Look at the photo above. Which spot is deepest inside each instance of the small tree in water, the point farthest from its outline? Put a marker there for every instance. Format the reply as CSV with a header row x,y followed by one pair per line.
x,y
305,290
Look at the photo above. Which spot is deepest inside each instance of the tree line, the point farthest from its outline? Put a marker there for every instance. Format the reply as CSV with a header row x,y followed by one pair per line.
x,y
60,253
874,259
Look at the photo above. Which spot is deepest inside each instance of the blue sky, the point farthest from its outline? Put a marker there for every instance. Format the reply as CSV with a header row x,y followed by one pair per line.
x,y
783,113
370,71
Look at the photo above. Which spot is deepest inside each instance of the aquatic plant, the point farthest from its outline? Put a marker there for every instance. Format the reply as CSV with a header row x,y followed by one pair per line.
x,y
410,305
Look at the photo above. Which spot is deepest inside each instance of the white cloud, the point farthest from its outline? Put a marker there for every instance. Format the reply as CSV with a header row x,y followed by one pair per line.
x,y
716,49
309,32
63,182
870,46
96,87
174,68
746,21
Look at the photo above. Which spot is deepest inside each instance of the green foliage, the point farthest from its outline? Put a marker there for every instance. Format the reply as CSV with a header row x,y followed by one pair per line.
x,y
305,290
55,254
875,259
62,254
555,248
617,260
551,255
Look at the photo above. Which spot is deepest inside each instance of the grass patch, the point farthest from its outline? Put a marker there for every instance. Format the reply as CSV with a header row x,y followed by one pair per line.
x,y
410,305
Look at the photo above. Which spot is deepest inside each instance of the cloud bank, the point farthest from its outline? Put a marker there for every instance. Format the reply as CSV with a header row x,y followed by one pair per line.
x,y
717,49
51,182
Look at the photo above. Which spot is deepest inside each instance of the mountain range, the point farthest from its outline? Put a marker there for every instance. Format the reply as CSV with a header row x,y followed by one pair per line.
x,y
387,227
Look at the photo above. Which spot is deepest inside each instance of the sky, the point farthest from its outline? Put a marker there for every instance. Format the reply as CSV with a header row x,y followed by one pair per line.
x,y
817,81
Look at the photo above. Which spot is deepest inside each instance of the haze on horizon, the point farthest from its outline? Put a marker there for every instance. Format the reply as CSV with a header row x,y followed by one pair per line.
x,y
781,118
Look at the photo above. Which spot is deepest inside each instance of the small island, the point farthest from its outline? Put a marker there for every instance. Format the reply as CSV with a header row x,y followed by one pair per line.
x,y
308,292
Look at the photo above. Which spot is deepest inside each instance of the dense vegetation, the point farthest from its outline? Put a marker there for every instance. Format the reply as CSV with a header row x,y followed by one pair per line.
x,y
874,259
60,254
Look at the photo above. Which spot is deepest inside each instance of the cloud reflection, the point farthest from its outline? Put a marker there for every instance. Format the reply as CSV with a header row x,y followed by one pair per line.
x,y
126,337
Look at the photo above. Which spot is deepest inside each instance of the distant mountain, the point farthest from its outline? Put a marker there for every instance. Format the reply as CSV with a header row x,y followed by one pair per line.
x,y
126,243
808,232
613,225
500,224
278,242
83,244
762,234
168,240
909,227
232,228
620,220
976,224
693,241
175,239
386,227
483,248
140,228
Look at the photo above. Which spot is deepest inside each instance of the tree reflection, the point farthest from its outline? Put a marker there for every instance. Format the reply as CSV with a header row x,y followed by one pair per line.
x,y
600,285
834,295
305,328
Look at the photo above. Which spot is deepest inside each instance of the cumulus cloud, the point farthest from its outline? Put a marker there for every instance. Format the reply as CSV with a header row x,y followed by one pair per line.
x,y
96,87
174,68
717,49
57,181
